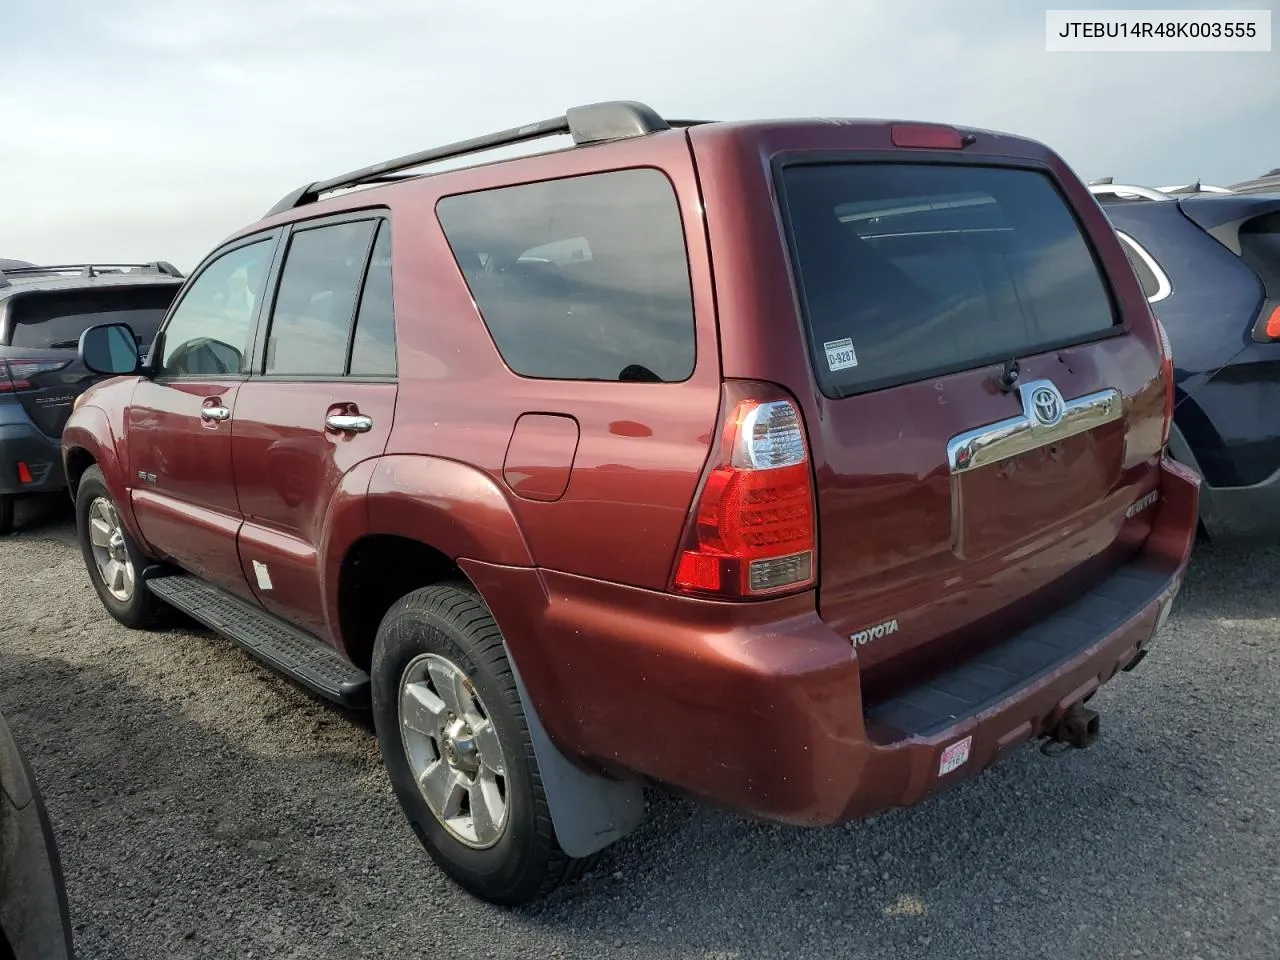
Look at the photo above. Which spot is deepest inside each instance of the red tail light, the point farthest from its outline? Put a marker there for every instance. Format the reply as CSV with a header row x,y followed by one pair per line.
x,y
24,473
16,375
1166,373
1272,325
751,532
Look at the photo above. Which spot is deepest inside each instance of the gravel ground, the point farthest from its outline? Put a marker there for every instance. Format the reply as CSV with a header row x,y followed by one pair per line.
x,y
207,808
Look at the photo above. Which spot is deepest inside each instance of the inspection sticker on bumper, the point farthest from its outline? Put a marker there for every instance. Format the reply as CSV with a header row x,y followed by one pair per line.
x,y
840,354
955,755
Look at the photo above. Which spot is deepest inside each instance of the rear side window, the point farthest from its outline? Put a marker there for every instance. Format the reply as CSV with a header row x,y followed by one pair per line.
x,y
315,306
1260,249
56,320
580,279
909,271
1151,285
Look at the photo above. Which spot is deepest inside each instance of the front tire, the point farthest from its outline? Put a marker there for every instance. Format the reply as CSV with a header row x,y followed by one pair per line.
x,y
112,558
457,748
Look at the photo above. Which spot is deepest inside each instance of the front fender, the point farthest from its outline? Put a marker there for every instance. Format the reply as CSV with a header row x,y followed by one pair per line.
x,y
89,430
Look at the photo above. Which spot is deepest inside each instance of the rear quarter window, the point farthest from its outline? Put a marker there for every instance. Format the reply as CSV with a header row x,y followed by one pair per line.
x,y
908,271
585,278
42,320
1260,249
1154,284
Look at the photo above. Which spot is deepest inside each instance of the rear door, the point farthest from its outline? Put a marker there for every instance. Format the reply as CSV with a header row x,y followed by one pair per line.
x,y
43,332
180,419
319,402
978,388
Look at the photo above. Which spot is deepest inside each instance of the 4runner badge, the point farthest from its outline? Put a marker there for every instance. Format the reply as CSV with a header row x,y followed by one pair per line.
x,y
863,637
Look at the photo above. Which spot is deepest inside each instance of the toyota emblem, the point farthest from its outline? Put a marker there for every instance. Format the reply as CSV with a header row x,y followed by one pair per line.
x,y
1047,406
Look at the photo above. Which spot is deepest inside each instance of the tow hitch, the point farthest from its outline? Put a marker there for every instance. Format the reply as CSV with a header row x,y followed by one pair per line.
x,y
1078,728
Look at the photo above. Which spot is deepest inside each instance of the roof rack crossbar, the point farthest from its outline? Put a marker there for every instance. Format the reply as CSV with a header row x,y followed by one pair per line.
x,y
591,123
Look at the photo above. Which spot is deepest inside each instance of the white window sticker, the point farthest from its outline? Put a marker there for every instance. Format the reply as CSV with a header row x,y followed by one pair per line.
x,y
840,354
264,575
955,756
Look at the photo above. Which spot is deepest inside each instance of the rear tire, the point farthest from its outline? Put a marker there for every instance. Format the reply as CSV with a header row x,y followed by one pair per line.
x,y
439,664
6,514
114,563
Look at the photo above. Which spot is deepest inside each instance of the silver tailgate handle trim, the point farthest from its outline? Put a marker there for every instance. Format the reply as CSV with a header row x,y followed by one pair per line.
x,y
1046,418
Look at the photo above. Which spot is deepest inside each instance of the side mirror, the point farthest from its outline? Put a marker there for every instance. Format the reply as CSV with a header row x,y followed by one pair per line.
x,y
110,348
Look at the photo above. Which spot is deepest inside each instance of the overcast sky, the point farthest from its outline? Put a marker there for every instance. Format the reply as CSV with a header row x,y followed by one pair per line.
x,y
150,129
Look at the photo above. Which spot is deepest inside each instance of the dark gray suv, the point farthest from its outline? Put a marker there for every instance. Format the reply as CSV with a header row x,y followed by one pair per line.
x,y
43,311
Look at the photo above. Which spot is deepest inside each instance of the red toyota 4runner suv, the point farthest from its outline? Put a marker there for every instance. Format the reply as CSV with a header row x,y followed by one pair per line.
x,y
807,467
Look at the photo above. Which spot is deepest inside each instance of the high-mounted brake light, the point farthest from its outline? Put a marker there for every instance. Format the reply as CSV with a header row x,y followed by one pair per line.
x,y
926,136
751,531
1166,374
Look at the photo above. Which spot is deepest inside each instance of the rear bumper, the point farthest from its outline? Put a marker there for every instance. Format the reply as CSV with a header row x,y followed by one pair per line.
x,y
758,707
22,442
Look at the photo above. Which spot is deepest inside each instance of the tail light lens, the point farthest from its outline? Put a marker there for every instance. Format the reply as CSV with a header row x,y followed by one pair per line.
x,y
1166,373
16,375
751,532
1267,327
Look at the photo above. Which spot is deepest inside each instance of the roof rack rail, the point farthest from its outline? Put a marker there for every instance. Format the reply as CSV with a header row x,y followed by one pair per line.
x,y
1195,187
590,123
161,267
1105,187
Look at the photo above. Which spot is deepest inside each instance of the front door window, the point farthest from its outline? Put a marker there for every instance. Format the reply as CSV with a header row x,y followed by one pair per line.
x,y
210,333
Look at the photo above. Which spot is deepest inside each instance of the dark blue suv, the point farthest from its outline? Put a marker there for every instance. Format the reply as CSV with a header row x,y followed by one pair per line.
x,y
1209,260
43,311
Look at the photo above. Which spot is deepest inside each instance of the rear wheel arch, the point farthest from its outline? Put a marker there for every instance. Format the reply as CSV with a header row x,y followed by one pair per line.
x,y
589,811
376,571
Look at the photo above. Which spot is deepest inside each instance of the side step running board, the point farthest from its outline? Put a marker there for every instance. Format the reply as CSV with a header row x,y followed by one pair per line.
x,y
273,641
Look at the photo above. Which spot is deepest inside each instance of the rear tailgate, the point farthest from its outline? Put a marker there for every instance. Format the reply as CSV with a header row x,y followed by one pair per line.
x,y
42,334
953,510
922,284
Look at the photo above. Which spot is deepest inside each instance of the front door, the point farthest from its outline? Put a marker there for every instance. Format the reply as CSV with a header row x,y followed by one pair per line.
x,y
180,420
320,402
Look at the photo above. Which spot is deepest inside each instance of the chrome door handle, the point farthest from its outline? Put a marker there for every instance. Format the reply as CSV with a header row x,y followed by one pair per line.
x,y
349,422
215,413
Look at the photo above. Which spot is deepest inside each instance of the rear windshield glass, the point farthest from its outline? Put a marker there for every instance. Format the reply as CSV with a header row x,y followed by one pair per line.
x,y
56,320
909,271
